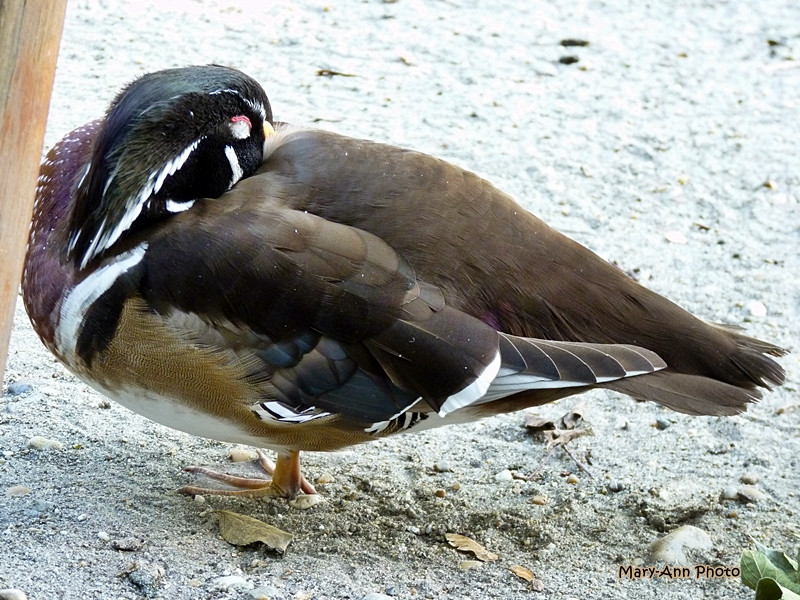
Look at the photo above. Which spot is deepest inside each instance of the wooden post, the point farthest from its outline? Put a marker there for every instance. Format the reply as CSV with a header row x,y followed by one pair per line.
x,y
30,33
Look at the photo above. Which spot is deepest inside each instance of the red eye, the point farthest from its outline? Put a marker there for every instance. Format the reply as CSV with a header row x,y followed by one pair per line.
x,y
241,127
240,119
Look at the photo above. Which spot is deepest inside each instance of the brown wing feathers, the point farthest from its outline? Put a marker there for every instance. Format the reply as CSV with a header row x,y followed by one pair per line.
x,y
499,263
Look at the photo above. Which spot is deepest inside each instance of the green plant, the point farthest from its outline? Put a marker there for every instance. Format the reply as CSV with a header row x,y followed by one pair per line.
x,y
771,573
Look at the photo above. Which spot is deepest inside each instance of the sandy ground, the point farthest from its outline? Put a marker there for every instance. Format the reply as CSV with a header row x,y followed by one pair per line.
x,y
670,146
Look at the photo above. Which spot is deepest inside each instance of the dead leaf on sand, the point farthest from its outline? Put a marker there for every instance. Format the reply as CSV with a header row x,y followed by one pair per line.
x,y
241,530
561,431
522,572
526,574
465,544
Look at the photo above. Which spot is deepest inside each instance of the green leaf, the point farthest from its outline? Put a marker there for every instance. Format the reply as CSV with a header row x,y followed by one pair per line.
x,y
241,530
768,589
765,563
778,558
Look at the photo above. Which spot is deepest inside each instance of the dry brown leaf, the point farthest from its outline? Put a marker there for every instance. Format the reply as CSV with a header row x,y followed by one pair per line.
x,y
523,572
561,431
526,574
465,544
562,437
332,73
241,530
571,420
537,423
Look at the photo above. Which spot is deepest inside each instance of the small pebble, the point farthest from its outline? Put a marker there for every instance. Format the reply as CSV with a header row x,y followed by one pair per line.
x,y
573,42
671,549
466,565
18,387
199,499
676,237
414,529
43,505
103,536
539,499
730,493
18,490
12,594
615,486
662,424
38,442
325,478
238,455
232,581
456,486
756,308
750,494
440,493
442,467
265,592
305,501
127,544
573,479
504,475
750,478
147,576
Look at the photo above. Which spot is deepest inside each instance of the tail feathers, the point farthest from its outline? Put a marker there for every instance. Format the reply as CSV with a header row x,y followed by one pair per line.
x,y
747,366
753,366
529,364
689,394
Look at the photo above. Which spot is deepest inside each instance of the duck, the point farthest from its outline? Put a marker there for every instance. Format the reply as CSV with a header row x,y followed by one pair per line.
x,y
257,282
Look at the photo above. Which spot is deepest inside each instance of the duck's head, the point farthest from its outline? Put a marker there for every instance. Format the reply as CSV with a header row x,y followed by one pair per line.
x,y
169,138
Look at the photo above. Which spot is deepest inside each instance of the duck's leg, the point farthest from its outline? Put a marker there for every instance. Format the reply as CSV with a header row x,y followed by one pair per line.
x,y
287,480
286,474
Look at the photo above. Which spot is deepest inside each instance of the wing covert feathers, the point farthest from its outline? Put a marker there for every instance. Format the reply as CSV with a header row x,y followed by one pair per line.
x,y
528,364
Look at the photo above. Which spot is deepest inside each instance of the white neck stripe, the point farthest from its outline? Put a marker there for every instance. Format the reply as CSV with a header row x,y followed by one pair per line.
x,y
236,168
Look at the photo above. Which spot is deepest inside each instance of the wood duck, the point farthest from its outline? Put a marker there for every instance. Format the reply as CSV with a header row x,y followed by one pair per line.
x,y
293,289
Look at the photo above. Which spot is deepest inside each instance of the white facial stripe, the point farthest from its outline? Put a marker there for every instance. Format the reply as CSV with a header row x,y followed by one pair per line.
x,y
105,239
256,106
176,206
176,163
80,299
236,168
